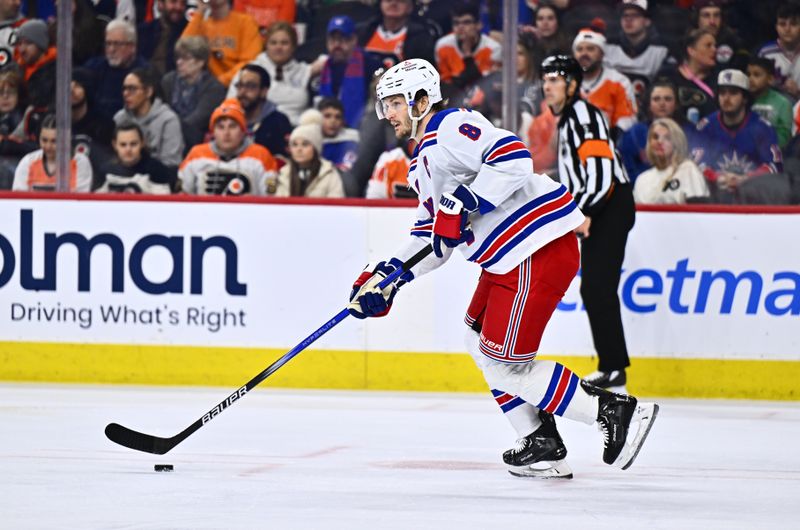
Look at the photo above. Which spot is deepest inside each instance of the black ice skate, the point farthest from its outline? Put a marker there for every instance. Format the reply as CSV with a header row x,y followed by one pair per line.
x,y
541,454
617,417
613,381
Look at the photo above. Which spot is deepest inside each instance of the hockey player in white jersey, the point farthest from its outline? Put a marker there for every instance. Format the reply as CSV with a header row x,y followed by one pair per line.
x,y
478,192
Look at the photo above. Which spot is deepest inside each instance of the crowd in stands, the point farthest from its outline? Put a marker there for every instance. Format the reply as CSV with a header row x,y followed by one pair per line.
x,y
276,97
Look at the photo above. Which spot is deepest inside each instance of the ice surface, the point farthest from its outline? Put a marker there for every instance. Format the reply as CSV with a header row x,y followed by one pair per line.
x,y
366,460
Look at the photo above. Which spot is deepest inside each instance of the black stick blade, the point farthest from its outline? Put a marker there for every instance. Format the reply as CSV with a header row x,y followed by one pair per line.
x,y
138,441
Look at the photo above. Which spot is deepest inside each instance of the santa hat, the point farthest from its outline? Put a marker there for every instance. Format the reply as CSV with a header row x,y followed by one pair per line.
x,y
594,34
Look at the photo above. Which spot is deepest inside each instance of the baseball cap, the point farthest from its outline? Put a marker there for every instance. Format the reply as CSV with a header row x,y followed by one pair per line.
x,y
636,4
734,78
343,24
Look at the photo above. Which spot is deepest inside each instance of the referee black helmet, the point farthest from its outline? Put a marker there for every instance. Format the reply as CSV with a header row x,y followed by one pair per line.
x,y
567,67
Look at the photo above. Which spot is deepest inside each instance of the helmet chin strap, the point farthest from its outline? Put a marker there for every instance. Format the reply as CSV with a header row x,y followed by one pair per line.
x,y
415,120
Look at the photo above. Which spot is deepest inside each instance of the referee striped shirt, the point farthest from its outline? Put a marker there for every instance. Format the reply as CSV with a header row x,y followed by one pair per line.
x,y
588,163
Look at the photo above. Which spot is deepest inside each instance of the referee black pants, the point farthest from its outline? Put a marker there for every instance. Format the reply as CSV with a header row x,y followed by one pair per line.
x,y
602,254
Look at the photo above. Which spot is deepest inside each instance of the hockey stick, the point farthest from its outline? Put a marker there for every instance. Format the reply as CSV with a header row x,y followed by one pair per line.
x,y
159,446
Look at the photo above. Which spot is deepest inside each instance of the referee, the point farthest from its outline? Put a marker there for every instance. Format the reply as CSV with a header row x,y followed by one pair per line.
x,y
589,166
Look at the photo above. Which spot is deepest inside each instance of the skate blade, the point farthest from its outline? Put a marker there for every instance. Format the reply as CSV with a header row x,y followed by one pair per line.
x,y
621,389
644,416
558,469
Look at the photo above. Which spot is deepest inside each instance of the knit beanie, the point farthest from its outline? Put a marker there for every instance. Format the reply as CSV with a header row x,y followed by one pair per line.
x,y
35,30
310,128
230,108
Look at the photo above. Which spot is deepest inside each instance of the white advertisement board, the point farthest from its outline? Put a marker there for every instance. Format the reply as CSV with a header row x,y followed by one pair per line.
x,y
266,275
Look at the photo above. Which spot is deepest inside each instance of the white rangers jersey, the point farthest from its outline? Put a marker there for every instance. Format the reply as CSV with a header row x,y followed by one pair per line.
x,y
519,211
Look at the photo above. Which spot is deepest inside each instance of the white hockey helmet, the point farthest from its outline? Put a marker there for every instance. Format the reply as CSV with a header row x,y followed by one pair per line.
x,y
406,79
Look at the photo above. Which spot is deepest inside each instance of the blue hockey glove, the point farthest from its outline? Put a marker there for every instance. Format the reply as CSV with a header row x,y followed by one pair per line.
x,y
366,299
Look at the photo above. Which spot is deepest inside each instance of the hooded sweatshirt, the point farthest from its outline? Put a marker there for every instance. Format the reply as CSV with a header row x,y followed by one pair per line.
x,y
162,130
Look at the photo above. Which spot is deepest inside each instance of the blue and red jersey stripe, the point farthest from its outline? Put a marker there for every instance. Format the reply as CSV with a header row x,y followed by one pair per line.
x,y
522,223
505,149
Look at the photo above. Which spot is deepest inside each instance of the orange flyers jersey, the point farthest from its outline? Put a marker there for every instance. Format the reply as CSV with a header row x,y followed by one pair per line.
x,y
613,94
384,42
265,12
390,177
203,172
31,174
233,42
450,60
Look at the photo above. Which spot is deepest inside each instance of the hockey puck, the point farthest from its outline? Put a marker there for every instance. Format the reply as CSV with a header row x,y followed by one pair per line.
x,y
164,467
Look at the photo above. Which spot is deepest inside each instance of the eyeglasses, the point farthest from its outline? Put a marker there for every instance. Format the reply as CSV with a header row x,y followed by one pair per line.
x,y
131,88
246,86
117,43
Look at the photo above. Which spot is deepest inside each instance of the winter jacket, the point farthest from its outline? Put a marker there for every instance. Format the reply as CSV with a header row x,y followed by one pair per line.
x,y
327,183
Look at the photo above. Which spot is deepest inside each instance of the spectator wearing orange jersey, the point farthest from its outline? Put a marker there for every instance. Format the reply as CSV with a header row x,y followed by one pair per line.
x,y
390,178
265,12
466,55
233,37
394,36
37,170
604,87
231,164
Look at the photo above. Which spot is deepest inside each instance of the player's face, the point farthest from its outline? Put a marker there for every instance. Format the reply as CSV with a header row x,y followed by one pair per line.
x,y
588,55
302,151
9,98
128,146
710,18
47,141
466,28
760,80
704,51
731,100
633,22
332,122
395,109
788,30
228,135
661,142
546,22
279,47
555,91
662,102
